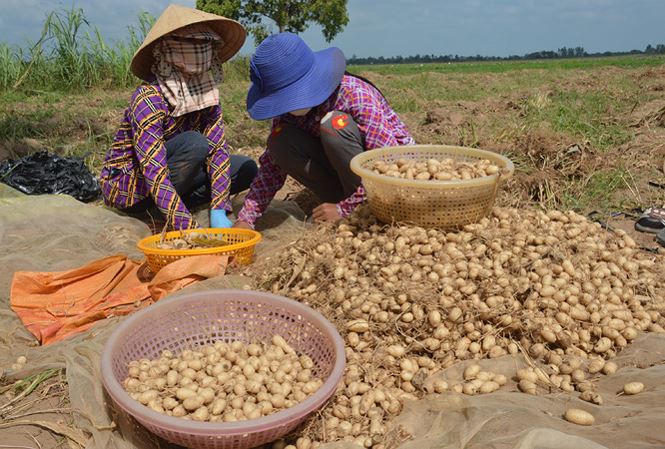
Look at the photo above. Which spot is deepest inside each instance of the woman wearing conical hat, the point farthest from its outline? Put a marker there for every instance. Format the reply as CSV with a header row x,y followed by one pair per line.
x,y
321,118
170,150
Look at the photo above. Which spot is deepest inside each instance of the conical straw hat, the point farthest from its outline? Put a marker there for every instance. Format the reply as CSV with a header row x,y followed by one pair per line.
x,y
175,17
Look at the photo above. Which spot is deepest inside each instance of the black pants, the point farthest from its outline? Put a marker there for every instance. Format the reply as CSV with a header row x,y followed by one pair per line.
x,y
186,154
321,164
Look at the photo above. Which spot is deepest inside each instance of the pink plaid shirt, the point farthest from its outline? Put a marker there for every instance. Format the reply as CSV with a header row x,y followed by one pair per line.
x,y
378,123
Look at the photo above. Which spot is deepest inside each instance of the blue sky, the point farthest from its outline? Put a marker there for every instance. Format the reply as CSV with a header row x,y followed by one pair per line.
x,y
408,27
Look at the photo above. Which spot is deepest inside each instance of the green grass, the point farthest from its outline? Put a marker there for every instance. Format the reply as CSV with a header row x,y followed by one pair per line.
x,y
599,191
14,126
630,61
70,54
580,114
569,101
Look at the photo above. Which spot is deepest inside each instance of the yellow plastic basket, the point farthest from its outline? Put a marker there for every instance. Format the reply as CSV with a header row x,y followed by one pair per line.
x,y
240,247
439,204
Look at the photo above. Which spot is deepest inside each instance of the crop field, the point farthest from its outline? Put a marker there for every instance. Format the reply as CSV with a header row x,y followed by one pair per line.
x,y
584,134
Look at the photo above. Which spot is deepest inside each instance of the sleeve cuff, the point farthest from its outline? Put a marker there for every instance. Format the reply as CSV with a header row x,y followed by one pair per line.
x,y
343,209
247,217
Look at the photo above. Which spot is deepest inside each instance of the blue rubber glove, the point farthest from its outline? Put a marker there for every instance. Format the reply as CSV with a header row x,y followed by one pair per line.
x,y
218,219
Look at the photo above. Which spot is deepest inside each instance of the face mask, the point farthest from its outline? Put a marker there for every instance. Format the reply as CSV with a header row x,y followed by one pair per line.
x,y
300,112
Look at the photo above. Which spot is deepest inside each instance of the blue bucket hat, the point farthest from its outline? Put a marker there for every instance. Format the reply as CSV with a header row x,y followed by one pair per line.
x,y
287,75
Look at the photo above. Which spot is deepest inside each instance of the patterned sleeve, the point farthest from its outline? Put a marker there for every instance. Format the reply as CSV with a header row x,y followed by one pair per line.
x,y
348,205
267,182
218,160
148,111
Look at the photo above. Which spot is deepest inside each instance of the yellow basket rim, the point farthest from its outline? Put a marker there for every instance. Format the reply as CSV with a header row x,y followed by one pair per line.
x,y
143,243
364,173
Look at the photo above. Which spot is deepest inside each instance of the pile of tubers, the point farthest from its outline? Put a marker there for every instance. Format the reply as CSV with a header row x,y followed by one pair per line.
x,y
436,170
223,382
411,302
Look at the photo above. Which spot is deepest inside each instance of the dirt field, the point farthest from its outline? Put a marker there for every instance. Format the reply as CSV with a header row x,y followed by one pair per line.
x,y
584,138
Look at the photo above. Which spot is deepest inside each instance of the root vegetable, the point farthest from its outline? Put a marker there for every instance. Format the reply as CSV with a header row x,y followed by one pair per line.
x,y
489,387
484,376
471,371
580,417
500,379
528,375
169,403
396,350
201,414
357,326
179,411
470,388
207,395
591,396
192,403
578,375
455,314
603,345
148,396
596,365
610,368
526,386
566,386
440,386
303,443
184,393
633,388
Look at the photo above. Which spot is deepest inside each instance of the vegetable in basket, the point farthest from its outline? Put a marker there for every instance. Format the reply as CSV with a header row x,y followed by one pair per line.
x,y
223,382
193,240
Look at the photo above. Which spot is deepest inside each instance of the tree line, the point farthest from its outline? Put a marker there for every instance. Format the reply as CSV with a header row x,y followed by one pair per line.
x,y
563,52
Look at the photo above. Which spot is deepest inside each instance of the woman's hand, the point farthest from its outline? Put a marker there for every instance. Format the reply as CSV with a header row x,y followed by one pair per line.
x,y
326,212
218,219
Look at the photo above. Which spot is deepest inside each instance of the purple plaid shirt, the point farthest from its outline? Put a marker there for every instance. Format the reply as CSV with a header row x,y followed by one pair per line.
x,y
135,167
378,123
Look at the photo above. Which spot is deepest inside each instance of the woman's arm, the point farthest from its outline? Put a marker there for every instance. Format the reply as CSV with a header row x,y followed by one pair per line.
x,y
267,182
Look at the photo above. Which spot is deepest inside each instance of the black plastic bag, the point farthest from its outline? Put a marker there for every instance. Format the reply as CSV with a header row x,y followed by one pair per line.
x,y
42,173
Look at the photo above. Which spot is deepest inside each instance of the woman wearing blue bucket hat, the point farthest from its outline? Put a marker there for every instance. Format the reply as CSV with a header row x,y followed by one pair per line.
x,y
321,117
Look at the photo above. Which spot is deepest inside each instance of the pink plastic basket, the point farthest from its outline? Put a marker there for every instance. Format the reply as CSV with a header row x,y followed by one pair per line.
x,y
190,320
